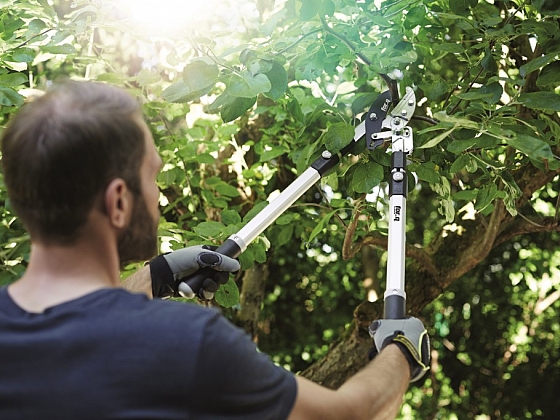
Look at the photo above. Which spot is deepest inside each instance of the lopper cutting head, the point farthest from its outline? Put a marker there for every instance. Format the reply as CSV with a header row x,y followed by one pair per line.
x,y
381,125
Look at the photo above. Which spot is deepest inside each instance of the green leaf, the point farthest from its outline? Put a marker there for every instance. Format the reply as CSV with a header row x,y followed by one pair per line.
x,y
227,190
485,196
489,93
457,121
321,225
285,219
176,92
541,100
284,235
466,195
449,47
460,163
338,136
461,7
458,146
227,295
230,217
434,89
271,24
489,63
10,24
115,78
485,141
278,80
309,9
249,86
295,110
512,191
234,107
536,64
363,102
9,97
202,158
426,172
209,229
438,139
146,77
23,55
59,49
199,75
547,7
272,152
13,79
365,176
327,7
36,26
259,251
550,75
532,147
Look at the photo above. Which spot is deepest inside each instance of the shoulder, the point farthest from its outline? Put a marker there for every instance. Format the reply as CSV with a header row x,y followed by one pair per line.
x,y
165,314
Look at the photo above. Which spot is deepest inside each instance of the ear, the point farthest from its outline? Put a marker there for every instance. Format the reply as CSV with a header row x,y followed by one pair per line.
x,y
118,203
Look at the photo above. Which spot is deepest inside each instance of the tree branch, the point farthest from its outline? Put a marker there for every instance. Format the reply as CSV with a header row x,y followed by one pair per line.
x,y
478,249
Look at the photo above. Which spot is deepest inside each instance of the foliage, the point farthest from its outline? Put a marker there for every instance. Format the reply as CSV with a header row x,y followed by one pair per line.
x,y
238,112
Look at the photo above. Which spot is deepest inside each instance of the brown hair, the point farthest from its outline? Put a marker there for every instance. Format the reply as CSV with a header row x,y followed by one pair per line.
x,y
62,150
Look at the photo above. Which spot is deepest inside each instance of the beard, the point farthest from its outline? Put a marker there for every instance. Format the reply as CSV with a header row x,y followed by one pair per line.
x,y
139,241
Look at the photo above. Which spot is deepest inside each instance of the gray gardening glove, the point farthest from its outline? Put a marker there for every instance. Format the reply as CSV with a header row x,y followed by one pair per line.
x,y
168,270
411,337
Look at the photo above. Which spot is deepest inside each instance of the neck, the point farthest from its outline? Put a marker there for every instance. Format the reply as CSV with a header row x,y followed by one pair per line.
x,y
57,274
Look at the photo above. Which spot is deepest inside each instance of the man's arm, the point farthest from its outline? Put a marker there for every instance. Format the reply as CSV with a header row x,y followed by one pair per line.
x,y
139,282
376,392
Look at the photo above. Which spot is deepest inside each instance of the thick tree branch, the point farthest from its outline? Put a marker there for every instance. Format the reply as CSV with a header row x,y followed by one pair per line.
x,y
477,249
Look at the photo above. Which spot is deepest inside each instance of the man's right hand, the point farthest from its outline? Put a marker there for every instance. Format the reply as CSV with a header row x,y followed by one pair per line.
x,y
410,336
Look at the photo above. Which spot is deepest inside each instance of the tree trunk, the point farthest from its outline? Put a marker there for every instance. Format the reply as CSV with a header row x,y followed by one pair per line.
x,y
251,299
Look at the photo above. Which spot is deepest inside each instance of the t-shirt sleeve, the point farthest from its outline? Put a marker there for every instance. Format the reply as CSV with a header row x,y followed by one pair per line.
x,y
235,381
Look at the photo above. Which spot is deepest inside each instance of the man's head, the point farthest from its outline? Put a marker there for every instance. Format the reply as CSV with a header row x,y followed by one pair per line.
x,y
61,151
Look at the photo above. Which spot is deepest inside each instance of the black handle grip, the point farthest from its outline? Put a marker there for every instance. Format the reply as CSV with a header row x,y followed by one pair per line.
x,y
394,307
192,285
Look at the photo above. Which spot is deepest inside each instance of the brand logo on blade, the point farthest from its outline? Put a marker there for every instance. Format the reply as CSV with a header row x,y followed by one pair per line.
x,y
385,106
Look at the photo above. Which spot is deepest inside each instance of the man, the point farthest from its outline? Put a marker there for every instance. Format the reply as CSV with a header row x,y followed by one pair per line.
x,y
80,167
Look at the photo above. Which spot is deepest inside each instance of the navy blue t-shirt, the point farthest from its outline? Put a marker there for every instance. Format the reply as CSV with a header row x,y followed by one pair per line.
x,y
116,355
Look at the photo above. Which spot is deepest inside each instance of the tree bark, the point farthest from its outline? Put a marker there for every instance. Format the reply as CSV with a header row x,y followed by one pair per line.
x,y
251,299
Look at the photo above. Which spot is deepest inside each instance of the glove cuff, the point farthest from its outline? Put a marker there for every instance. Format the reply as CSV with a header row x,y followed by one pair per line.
x,y
163,283
417,367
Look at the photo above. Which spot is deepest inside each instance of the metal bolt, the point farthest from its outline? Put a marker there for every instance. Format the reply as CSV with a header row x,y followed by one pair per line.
x,y
404,112
397,121
411,102
374,136
398,176
373,116
326,154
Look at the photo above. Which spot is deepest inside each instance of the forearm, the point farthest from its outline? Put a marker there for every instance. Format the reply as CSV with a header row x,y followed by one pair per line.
x,y
376,392
139,282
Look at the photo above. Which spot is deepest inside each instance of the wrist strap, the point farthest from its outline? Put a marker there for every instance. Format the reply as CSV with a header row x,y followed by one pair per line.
x,y
163,283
